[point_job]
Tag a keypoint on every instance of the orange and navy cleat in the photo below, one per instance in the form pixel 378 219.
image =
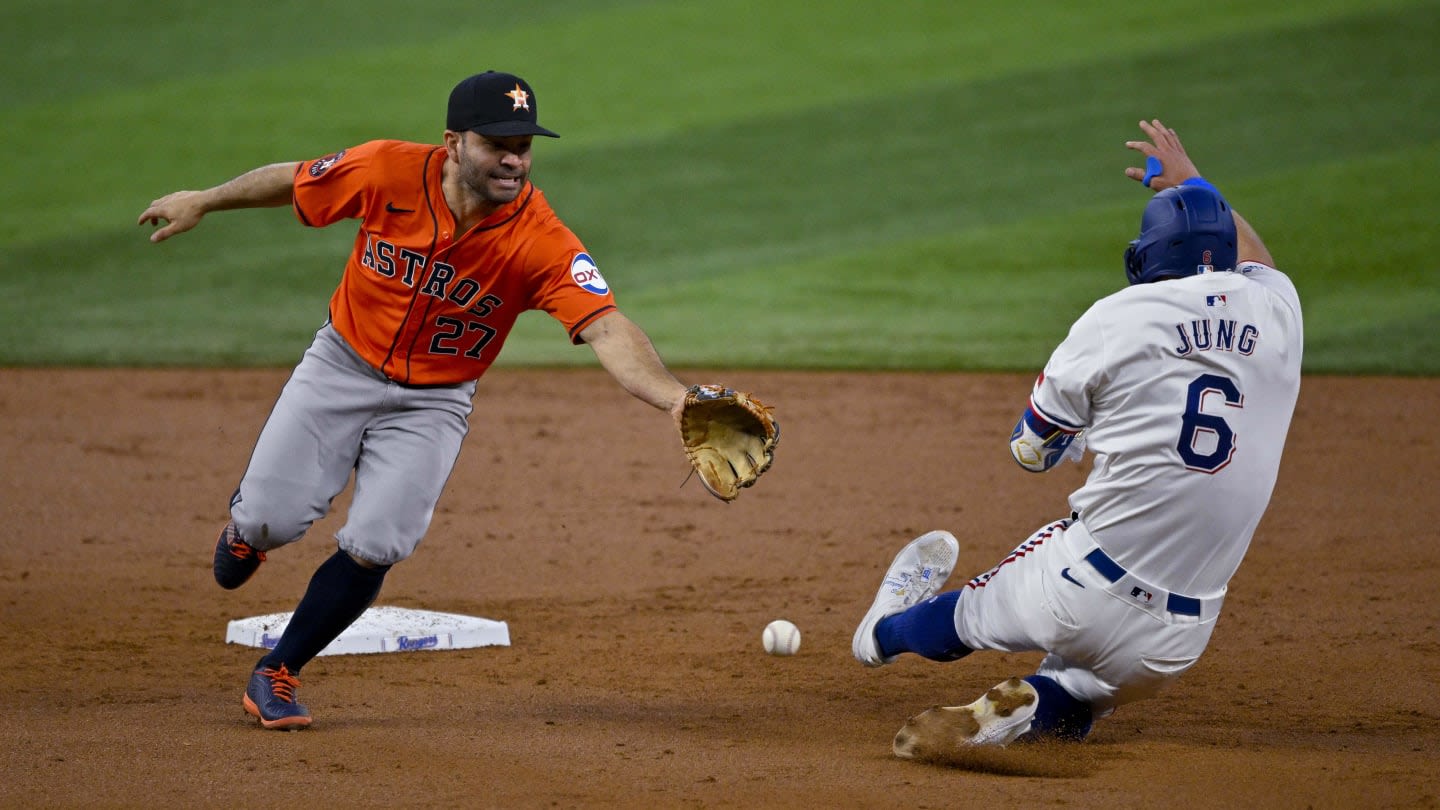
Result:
pixel 271 697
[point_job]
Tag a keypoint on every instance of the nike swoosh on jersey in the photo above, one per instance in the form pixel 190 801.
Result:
pixel 390 207
pixel 1065 572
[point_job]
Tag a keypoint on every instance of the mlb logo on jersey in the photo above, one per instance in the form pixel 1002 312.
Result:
pixel 1215 301
pixel 587 275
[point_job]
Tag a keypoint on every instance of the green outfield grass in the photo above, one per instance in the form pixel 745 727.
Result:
pixel 901 184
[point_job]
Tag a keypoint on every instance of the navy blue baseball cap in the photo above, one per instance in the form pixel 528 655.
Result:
pixel 496 104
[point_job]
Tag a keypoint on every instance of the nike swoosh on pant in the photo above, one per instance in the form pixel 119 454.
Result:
pixel 1065 572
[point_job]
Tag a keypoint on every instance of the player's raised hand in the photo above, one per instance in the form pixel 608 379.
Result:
pixel 1166 163
pixel 180 210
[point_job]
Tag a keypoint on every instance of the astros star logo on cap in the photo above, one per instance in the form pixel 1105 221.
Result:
pixel 520 97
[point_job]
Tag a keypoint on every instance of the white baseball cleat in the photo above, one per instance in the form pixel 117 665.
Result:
pixel 999 717
pixel 918 572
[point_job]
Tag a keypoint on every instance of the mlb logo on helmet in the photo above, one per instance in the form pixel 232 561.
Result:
pixel 1205 265
pixel 587 275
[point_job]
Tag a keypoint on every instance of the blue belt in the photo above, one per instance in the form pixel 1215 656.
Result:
pixel 1111 570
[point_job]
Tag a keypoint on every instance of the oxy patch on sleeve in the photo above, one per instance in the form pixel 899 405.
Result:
pixel 587 275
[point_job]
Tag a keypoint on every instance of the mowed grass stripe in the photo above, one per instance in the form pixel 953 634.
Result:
pixel 841 179
pixel 1002 296
pixel 663 214
pixel 617 74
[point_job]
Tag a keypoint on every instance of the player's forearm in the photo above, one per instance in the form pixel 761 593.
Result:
pixel 265 187
pixel 1248 245
pixel 628 355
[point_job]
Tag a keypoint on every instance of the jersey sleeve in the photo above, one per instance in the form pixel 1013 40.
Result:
pixel 1061 395
pixel 570 287
pixel 334 187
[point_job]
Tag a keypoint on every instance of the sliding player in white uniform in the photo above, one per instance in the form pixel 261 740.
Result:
pixel 1182 385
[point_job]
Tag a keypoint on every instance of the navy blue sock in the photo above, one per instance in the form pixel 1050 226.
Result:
pixel 1059 716
pixel 339 592
pixel 926 629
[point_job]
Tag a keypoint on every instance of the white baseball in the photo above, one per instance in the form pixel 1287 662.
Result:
pixel 781 638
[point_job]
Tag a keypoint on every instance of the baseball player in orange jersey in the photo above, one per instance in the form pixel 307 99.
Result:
pixel 454 243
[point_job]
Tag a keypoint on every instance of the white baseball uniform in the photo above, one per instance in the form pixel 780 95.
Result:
pixel 1184 390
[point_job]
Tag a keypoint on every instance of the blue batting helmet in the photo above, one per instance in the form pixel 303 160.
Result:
pixel 1185 230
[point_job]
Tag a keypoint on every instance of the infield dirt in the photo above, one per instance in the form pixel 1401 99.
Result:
pixel 636 676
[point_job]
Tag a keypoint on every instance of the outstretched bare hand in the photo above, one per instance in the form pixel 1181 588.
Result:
pixel 181 211
pixel 1166 163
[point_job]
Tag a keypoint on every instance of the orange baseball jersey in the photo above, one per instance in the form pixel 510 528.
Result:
pixel 426 305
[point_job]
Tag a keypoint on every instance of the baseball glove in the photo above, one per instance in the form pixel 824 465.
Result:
pixel 729 438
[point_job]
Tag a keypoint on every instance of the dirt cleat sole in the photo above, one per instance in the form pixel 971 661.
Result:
pixel 917 573
pixel 998 718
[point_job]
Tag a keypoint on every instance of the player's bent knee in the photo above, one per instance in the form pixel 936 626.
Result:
pixel 267 522
pixel 267 534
